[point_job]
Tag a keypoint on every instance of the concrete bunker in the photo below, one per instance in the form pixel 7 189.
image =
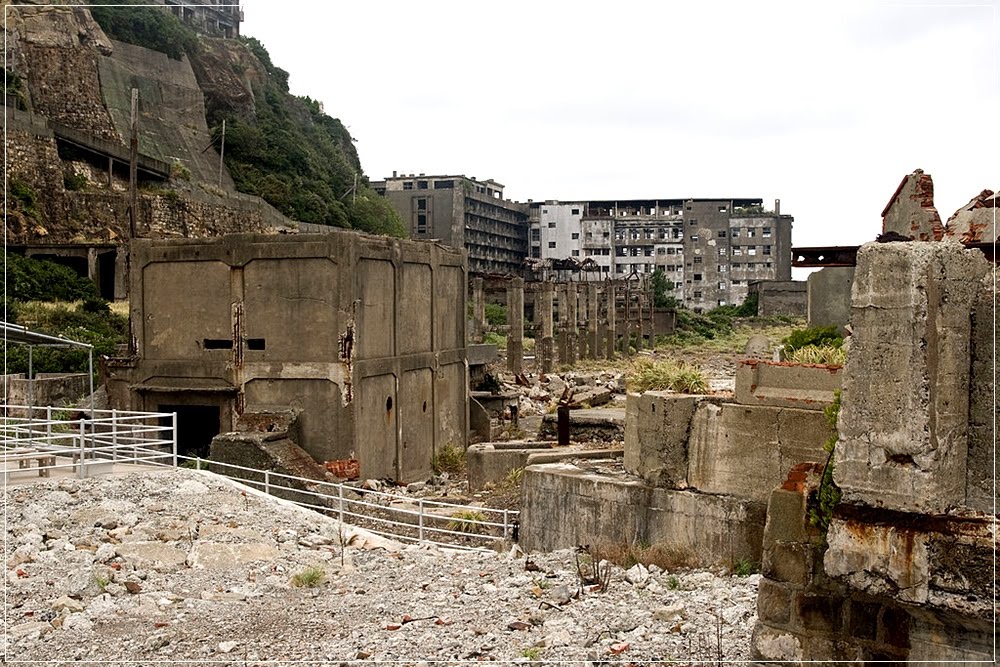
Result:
pixel 364 336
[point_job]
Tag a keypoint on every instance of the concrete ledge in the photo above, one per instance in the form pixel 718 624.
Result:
pixel 491 462
pixel 593 423
pixel 563 505
pixel 787 385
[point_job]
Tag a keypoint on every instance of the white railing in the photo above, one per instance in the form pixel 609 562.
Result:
pixel 92 442
pixel 90 439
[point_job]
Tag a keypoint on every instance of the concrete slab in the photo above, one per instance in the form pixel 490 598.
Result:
pixel 589 424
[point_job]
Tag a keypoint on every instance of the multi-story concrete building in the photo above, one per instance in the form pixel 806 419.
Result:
pixel 709 248
pixel 465 213
pixel 216 18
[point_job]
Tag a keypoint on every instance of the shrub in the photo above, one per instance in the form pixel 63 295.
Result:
pixel 450 459
pixel 74 181
pixel 818 336
pixel 745 567
pixel 496 314
pixel 646 374
pixel 311 577
pixel 40 280
pixel 150 27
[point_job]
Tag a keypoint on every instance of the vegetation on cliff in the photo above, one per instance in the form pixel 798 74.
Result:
pixel 278 146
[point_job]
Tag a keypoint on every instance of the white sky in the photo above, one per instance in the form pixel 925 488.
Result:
pixel 825 106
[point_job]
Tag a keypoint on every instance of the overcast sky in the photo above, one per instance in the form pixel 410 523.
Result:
pixel 823 105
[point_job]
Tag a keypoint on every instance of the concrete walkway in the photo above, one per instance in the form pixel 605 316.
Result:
pixel 65 469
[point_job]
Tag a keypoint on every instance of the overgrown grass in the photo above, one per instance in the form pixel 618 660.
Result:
pixel 311 577
pixel 449 459
pixel 815 336
pixel 646 374
pixel 664 557
pixel 819 354
pixel 732 339
pixel 744 567
pixel 467 521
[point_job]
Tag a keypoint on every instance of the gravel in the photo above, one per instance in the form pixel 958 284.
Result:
pixel 186 565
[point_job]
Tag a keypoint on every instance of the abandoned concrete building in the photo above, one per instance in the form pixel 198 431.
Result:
pixel 363 337
pixel 464 213
pixel 215 18
pixel 710 249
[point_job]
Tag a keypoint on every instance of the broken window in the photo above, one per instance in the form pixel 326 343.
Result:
pixel 766 232
pixel 697 260
pixel 444 185
pixel 767 250
pixel 722 209
pixel 552 225
pixel 575 236
pixel 217 344
pixel 694 238
pixel 552 244
pixel 750 233
pixel 697 294
pixel 697 277
pixel 722 233
pixel 536 235
pixel 421 185
pixel 752 250
pixel 735 233
pixel 575 211
pixel 407 185
pixel 422 204
pixel 576 253
pixel 737 251
pixel 421 223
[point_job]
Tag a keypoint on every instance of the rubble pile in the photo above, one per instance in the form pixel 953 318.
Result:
pixel 183 564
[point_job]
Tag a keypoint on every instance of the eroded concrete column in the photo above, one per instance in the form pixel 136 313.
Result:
pixel 544 314
pixel 592 345
pixel 583 308
pixel 515 322
pixel 609 295
pixel 478 310
pixel 571 321
pixel 905 415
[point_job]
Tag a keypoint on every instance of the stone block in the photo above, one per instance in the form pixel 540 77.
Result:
pixel 819 613
pixel 786 518
pixel 657 428
pixel 862 619
pixel 829 296
pixel 217 555
pixel 774 603
pixel 789 562
pixel 152 555
pixel 905 410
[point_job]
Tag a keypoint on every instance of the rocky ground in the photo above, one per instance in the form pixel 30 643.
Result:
pixel 187 566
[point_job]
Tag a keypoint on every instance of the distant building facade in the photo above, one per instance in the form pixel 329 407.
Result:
pixel 710 249
pixel 462 212
pixel 215 18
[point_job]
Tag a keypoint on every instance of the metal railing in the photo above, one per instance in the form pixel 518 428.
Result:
pixel 89 443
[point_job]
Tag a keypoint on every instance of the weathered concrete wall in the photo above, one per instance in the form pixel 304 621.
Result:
pixel 563 506
pixel 984 403
pixel 905 416
pixel 829 296
pixel 784 384
pixel 780 297
pixel 679 442
pixel 46 389
pixel 365 335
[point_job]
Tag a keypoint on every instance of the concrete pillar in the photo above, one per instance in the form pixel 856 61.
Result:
pixel 609 295
pixel 904 421
pixel 571 320
pixel 592 346
pixel 543 307
pixel 478 310
pixel 583 341
pixel 515 322
pixel 121 273
pixel 92 272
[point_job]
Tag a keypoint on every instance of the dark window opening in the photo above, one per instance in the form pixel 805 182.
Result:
pixel 421 185
pixel 422 204
pixel 444 185
pixel 217 344
pixel 256 343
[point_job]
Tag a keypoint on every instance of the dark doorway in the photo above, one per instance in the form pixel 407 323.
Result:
pixel 106 275
pixel 196 426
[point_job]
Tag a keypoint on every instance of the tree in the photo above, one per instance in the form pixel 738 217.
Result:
pixel 661 285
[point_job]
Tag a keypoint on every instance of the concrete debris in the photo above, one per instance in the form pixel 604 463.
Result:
pixel 472 604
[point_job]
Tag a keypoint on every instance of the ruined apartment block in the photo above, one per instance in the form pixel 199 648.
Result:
pixel 464 213
pixel 710 249
pixel 215 18
pixel 363 337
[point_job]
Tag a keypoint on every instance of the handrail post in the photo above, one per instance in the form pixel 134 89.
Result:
pixel 114 434
pixel 174 438
pixel 48 425
pixel 420 522
pixel 83 450
pixel 197 463
pixel 505 523
pixel 267 482
pixel 340 497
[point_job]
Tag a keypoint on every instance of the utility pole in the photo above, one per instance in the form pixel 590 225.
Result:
pixel 222 151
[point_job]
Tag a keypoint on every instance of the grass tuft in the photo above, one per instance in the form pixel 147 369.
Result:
pixel 311 577
pixel 647 374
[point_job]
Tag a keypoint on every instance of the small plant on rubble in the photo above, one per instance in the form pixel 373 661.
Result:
pixel 819 354
pixel 826 497
pixel 532 653
pixel 449 459
pixel 744 567
pixel 657 375
pixel 311 577
pixel 470 522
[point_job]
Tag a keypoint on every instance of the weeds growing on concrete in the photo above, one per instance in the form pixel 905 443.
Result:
pixel 819 354
pixel 648 374
pixel 513 478
pixel 826 497
pixel 450 459
pixel 468 521
pixel 311 577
